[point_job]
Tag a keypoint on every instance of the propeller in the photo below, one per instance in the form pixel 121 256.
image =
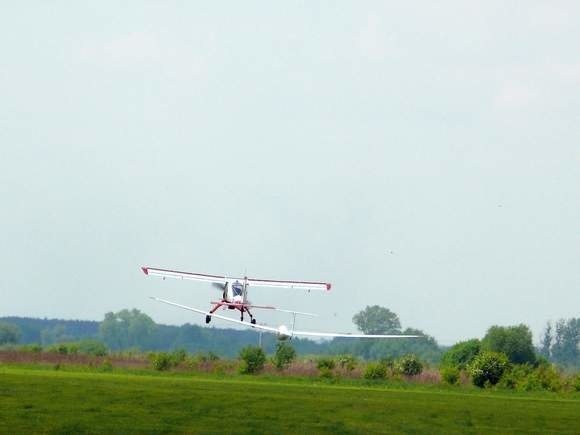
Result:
pixel 222 287
pixel 219 286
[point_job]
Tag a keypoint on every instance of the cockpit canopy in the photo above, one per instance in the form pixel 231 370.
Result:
pixel 237 289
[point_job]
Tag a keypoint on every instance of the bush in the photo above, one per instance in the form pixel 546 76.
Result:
pixel 542 378
pixel 576 383
pixel 284 355
pixel 212 356
pixel 487 368
pixel 374 371
pixel 347 362
pixel 61 348
pixel 461 354
pixel 178 356
pixel 409 365
pixel 92 347
pixel 106 366
pixel 515 376
pixel 388 362
pixel 450 375
pixel 161 361
pixel 253 359
pixel 325 362
pixel 33 348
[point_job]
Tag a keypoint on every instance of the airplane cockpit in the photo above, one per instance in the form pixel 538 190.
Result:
pixel 237 289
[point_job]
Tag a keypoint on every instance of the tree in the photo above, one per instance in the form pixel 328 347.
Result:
pixel 9 333
pixel 284 355
pixel 461 354
pixel 377 320
pixel 546 344
pixel 253 359
pixel 565 348
pixel 514 341
pixel 126 329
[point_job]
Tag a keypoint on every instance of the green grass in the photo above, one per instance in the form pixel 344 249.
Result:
pixel 51 401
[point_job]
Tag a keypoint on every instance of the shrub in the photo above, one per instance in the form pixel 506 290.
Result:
pixel 514 376
pixel 347 362
pixel 374 371
pixel 92 347
pixel 450 375
pixel 284 355
pixel 178 356
pixel 461 354
pixel 487 368
pixel 253 359
pixel 161 361
pixel 33 348
pixel 542 378
pixel 388 362
pixel 409 365
pixel 325 362
pixel 106 366
pixel 212 356
pixel 59 348
pixel 576 383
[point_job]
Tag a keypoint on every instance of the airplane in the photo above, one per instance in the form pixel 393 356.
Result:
pixel 235 297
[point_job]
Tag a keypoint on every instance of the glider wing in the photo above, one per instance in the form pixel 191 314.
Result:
pixel 283 330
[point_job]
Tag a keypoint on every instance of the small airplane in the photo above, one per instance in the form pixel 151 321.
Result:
pixel 235 297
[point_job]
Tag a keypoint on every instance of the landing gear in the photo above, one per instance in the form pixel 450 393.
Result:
pixel 207 319
pixel 245 310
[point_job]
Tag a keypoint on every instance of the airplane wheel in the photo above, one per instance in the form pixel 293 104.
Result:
pixel 207 319
pixel 253 321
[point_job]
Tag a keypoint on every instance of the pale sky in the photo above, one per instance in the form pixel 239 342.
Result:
pixel 422 156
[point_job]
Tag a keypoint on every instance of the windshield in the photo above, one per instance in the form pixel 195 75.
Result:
pixel 237 289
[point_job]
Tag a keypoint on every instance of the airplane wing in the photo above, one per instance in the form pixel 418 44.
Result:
pixel 167 273
pixel 253 282
pixel 282 330
pixel 306 285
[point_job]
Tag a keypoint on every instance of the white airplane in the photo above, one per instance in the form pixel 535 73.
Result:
pixel 235 297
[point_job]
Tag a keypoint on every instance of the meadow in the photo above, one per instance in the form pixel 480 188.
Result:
pixel 40 399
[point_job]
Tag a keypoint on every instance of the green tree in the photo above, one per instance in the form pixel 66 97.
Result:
pixel 126 329
pixel 546 343
pixel 565 349
pixel 460 354
pixel 377 320
pixel 253 359
pixel 514 341
pixel 284 355
pixel 9 333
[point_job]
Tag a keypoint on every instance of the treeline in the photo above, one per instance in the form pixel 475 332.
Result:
pixel 132 329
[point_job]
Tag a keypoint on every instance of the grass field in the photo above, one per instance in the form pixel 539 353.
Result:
pixel 55 401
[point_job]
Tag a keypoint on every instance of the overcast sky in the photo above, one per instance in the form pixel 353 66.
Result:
pixel 423 156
